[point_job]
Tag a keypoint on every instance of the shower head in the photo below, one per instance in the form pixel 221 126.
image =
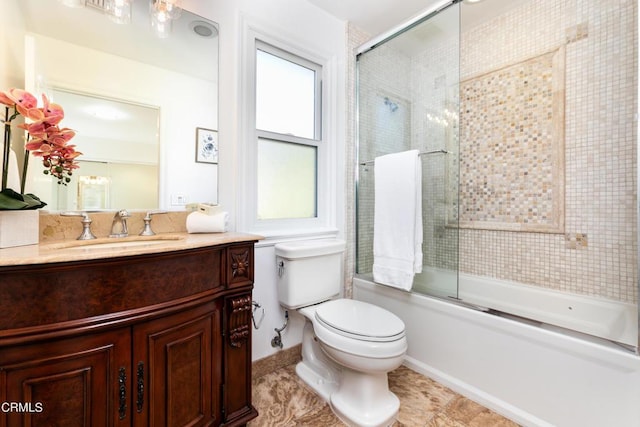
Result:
pixel 392 105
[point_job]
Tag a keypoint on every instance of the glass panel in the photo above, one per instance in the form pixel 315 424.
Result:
pixel 285 96
pixel 547 176
pixel 408 99
pixel 287 180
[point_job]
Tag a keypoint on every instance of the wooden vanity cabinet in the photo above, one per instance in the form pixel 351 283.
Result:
pixel 148 340
pixel 174 357
pixel 65 382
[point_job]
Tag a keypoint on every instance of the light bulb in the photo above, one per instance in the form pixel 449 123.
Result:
pixel 119 10
pixel 161 24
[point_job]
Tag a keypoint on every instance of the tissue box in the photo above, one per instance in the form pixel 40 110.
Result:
pixel 208 209
pixel 205 208
pixel 19 228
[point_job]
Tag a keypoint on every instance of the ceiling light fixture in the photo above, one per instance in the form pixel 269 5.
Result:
pixel 163 13
pixel 72 3
pixel 203 29
pixel 118 10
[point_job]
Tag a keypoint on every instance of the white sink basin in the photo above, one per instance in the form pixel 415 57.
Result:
pixel 116 243
pixel 119 245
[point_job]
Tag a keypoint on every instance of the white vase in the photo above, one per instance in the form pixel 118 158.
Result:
pixel 19 228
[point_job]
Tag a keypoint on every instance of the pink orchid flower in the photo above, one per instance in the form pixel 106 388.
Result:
pixel 71 153
pixel 59 161
pixel 53 113
pixel 51 135
pixel 46 139
pixel 22 100
pixel 37 130
pixel 61 137
pixel 4 99
pixel 35 145
pixel 43 149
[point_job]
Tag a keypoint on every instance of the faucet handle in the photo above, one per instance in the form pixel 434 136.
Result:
pixel 146 230
pixel 123 213
pixel 86 224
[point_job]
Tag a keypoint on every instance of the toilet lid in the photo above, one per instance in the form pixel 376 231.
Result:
pixel 360 320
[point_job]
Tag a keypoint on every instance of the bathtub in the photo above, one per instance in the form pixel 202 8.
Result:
pixel 608 319
pixel 533 373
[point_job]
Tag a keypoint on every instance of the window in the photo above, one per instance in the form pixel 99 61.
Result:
pixel 289 137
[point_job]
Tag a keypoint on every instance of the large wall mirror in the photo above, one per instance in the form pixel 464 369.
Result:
pixel 135 97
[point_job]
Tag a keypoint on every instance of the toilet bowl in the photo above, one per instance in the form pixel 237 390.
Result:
pixel 358 355
pixel 348 346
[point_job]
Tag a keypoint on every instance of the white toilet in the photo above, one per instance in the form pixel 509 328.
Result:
pixel 348 346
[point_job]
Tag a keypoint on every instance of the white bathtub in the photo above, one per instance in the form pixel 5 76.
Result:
pixel 608 319
pixel 535 375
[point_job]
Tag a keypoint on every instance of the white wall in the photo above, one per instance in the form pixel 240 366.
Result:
pixel 11 54
pixel 302 24
pixel 11 72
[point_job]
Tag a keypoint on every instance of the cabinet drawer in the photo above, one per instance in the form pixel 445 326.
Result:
pixel 34 295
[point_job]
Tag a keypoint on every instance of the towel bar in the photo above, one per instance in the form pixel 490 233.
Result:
pixel 424 153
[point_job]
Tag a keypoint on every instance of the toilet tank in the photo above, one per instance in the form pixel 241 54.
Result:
pixel 309 271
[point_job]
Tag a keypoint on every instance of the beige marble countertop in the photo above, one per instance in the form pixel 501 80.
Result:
pixel 106 247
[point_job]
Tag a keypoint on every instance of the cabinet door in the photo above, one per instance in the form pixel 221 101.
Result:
pixel 69 382
pixel 237 359
pixel 177 369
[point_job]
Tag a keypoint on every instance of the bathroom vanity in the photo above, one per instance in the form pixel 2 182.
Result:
pixel 156 333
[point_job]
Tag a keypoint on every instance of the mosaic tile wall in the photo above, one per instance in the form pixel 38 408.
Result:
pixel 512 141
pixel 597 252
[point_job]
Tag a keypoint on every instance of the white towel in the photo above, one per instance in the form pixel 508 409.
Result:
pixel 198 222
pixel 397 226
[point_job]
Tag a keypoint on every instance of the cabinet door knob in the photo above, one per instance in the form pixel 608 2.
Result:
pixel 122 392
pixel 140 380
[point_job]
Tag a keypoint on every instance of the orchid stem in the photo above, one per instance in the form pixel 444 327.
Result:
pixel 6 149
pixel 25 164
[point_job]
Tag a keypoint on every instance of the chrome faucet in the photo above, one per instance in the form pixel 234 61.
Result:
pixel 146 230
pixel 119 224
pixel 86 224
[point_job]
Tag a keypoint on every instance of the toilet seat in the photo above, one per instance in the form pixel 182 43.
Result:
pixel 359 320
pixel 384 346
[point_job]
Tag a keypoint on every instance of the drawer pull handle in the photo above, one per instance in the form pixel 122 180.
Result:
pixel 140 380
pixel 122 392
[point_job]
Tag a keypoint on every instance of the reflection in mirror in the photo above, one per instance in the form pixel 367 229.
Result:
pixel 119 144
pixel 80 52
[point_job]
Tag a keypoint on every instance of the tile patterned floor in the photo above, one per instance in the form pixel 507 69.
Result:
pixel 283 400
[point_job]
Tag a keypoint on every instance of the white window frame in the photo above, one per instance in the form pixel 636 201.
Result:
pixel 325 221
pixel 303 62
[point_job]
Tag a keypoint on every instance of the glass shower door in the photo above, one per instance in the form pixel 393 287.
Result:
pixel 408 97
